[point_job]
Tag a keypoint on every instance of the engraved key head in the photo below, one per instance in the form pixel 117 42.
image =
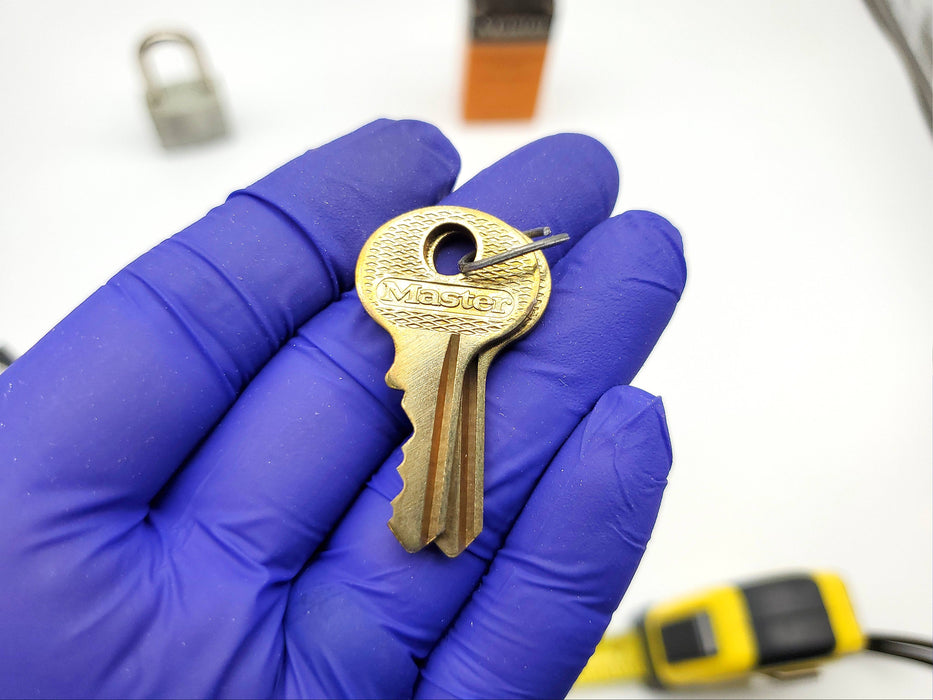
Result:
pixel 401 288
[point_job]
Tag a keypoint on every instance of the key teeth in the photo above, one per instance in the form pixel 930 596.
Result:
pixel 391 380
pixel 409 538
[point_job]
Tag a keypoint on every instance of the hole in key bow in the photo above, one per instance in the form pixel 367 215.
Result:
pixel 447 244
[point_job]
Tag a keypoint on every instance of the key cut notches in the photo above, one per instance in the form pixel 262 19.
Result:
pixel 447 330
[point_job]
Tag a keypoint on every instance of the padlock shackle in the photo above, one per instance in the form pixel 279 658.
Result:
pixel 164 37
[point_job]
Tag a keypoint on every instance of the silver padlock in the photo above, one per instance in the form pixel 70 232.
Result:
pixel 185 112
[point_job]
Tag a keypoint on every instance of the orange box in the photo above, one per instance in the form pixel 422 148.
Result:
pixel 505 57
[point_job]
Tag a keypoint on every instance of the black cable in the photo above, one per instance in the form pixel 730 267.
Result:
pixel 906 647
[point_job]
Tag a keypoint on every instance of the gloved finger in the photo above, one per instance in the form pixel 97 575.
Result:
pixel 546 600
pixel 613 294
pixel 105 407
pixel 298 446
pixel 550 191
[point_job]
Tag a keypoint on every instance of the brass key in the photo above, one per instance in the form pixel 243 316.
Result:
pixel 438 323
pixel 464 520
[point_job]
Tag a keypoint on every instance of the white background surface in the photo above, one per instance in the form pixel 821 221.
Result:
pixel 782 138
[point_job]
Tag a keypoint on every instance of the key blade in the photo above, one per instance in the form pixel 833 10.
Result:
pixel 464 519
pixel 432 403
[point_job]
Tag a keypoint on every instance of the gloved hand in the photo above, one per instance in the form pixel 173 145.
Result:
pixel 197 462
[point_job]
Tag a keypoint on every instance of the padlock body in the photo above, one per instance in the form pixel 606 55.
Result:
pixel 186 113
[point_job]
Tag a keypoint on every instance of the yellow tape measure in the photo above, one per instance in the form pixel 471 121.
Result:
pixel 776 625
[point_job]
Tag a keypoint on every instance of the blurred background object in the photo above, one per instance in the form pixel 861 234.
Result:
pixel 505 57
pixel 6 357
pixel 783 626
pixel 186 111
pixel 909 23
pixel 783 139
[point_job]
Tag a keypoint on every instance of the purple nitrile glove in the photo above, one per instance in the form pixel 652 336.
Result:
pixel 196 464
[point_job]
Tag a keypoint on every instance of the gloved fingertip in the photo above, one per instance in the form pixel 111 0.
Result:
pixel 597 159
pixel 567 181
pixel 651 226
pixel 434 141
pixel 630 417
pixel 409 133
pixel 334 196
pixel 627 428
pixel 656 222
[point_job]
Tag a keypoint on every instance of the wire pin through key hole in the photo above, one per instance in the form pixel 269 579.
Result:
pixel 453 248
